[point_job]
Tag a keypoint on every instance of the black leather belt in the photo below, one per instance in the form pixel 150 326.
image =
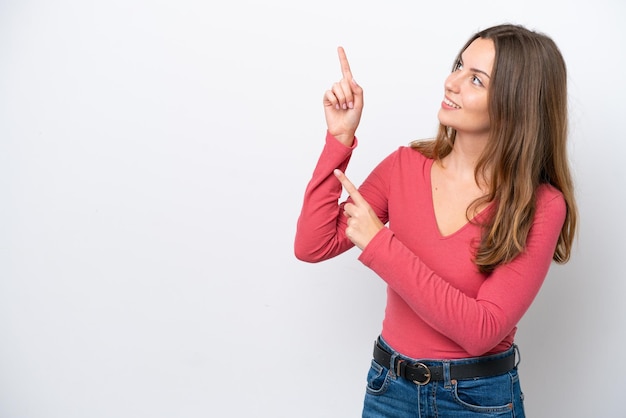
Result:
pixel 421 373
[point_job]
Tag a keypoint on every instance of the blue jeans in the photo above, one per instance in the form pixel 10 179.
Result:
pixel 391 396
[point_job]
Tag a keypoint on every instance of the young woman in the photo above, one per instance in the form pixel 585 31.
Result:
pixel 462 228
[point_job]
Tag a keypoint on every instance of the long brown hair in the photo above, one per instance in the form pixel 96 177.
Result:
pixel 527 143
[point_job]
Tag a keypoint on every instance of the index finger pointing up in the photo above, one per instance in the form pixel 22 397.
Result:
pixel 345 66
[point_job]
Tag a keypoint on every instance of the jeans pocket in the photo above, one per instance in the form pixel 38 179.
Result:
pixel 377 379
pixel 490 395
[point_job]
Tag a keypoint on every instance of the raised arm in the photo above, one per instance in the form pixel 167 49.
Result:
pixel 320 231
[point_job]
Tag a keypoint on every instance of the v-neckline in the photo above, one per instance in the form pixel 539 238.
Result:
pixel 433 214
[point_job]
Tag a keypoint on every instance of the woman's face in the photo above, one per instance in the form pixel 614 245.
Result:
pixel 465 106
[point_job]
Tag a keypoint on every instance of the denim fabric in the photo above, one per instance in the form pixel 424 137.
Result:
pixel 390 396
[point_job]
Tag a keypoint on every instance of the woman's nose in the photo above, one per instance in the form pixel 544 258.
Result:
pixel 452 81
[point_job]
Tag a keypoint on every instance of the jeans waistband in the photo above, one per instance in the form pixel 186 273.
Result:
pixel 423 371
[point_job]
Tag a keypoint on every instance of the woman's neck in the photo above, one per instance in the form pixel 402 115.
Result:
pixel 461 162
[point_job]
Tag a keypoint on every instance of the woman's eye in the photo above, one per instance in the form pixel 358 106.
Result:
pixel 476 81
pixel 458 66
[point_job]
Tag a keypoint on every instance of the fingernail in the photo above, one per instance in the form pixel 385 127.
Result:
pixel 351 105
pixel 337 106
pixel 345 106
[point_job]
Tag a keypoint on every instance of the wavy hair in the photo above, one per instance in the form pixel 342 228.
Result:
pixel 527 145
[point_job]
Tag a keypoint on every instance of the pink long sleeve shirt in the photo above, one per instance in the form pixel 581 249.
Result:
pixel 439 306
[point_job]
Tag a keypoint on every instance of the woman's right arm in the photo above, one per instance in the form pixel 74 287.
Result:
pixel 320 232
pixel 321 226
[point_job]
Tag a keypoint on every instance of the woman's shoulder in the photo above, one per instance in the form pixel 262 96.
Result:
pixel 547 192
pixel 549 198
pixel 407 160
pixel 407 152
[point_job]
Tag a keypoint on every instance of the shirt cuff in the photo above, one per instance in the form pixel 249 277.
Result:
pixel 331 140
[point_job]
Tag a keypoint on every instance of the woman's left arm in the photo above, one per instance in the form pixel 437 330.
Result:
pixel 475 323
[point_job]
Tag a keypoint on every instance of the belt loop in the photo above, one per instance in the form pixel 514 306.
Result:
pixel 392 364
pixel 518 354
pixel 447 383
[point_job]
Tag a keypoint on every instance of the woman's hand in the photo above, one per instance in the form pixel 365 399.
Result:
pixel 363 224
pixel 343 104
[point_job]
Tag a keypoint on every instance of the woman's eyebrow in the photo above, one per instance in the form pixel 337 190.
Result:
pixel 476 70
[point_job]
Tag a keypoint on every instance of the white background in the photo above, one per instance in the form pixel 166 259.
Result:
pixel 153 157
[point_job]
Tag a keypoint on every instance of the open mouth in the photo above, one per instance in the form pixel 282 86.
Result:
pixel 451 103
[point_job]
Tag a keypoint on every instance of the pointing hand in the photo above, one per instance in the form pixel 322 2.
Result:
pixel 363 224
